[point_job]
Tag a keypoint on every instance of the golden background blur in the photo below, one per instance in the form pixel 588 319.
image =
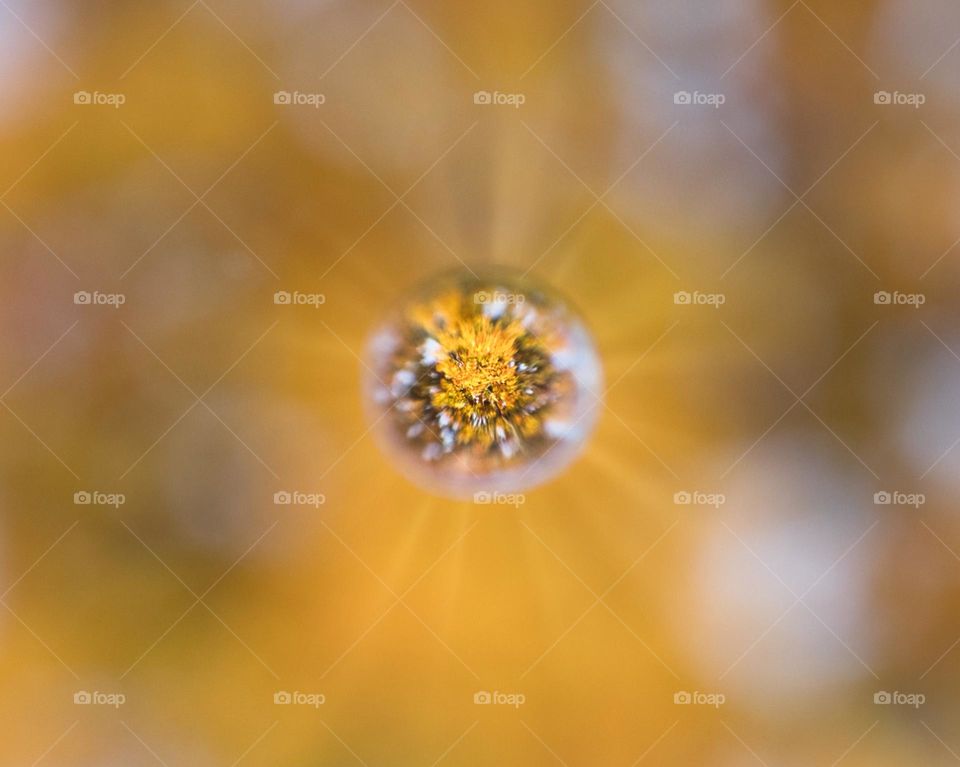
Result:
pixel 779 400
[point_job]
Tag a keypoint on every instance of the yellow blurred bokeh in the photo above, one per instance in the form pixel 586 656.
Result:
pixel 753 205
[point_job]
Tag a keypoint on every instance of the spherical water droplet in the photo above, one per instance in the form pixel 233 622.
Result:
pixel 482 384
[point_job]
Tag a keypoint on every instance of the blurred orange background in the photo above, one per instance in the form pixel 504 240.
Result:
pixel 753 205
